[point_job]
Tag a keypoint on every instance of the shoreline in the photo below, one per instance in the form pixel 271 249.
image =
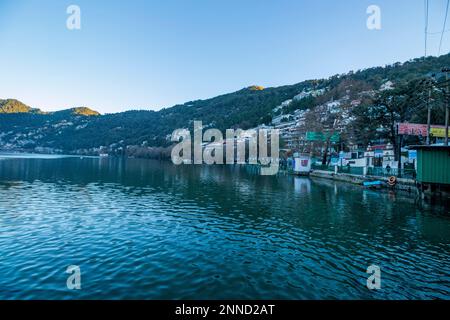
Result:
pixel 406 185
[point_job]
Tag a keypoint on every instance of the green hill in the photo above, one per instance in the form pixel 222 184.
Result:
pixel 82 128
pixel 81 111
pixel 14 106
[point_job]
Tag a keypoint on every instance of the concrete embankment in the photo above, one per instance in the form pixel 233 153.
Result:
pixel 402 184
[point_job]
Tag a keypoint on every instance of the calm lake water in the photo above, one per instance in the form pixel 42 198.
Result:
pixel 143 229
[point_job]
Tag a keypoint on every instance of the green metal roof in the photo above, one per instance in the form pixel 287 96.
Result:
pixel 432 147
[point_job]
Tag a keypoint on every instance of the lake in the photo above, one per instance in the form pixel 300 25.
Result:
pixel 142 229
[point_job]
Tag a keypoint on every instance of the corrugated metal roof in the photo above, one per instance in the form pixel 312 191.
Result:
pixel 432 147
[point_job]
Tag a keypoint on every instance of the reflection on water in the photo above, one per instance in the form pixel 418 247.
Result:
pixel 147 229
pixel 302 185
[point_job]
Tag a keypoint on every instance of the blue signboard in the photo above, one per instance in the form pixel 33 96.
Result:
pixel 378 153
pixel 412 155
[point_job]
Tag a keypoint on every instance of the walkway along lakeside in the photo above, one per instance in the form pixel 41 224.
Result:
pixel 402 184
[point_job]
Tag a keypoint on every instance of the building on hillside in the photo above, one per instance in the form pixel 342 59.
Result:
pixel 388 85
pixel 355 103
pixel 380 156
pixel 295 137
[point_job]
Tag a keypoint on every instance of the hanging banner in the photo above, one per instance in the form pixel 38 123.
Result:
pixel 412 129
pixel 416 129
pixel 438 132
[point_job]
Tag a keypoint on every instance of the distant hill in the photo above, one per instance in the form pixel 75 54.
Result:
pixel 12 106
pixel 82 129
pixel 15 106
pixel 81 111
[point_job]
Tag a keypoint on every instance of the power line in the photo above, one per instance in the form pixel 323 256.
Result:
pixel 438 32
pixel 426 25
pixel 443 29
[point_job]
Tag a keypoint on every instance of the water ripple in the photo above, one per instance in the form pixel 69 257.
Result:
pixel 143 229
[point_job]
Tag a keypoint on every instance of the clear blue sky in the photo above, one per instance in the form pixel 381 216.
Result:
pixel 153 54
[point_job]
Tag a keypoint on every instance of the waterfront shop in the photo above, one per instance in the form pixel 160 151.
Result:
pixel 433 168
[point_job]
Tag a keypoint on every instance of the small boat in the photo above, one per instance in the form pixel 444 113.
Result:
pixel 372 183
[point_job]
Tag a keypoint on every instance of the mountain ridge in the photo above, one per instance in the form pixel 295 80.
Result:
pixel 12 106
pixel 246 108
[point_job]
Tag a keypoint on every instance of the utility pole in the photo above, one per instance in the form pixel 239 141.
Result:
pixel 399 149
pixel 429 118
pixel 447 97
pixel 429 112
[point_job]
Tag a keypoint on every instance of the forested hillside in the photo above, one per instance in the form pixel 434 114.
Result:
pixel 83 130
pixel 15 106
